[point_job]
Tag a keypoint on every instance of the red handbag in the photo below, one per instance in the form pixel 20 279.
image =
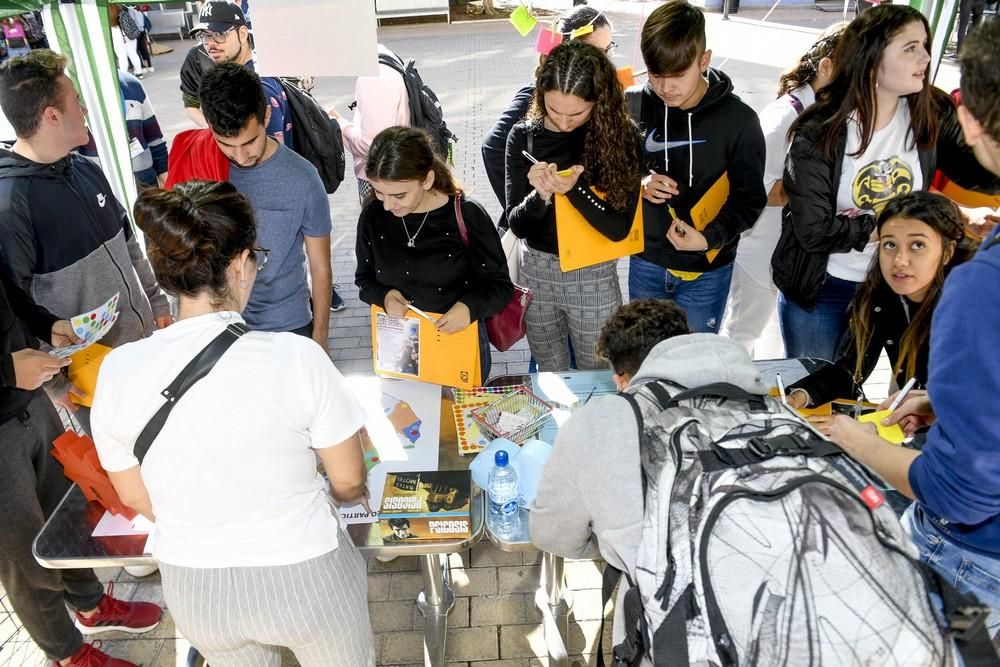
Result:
pixel 508 326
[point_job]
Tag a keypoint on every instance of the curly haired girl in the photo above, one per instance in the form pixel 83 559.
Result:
pixel 577 136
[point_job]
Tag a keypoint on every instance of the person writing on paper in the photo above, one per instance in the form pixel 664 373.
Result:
pixel 750 316
pixel 410 250
pixel 250 547
pixel 955 477
pixel 577 138
pixel 921 239
pixel 877 131
pixel 697 130
pixel 581 17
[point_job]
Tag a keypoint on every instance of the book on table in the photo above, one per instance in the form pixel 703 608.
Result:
pixel 426 506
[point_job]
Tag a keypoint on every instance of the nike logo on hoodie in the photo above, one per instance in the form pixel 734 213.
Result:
pixel 654 146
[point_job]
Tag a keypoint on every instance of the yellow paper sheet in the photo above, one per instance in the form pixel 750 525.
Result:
pixel 411 348
pixel 522 20
pixel 581 245
pixel 893 434
pixel 83 369
pixel 708 208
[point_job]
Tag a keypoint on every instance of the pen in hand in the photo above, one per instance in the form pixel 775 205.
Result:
pixel 901 396
pixel 781 389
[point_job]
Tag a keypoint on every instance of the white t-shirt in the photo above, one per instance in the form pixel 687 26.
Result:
pixel 232 475
pixel 888 168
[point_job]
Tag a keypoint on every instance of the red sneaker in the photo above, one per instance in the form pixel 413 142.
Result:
pixel 90 656
pixel 114 614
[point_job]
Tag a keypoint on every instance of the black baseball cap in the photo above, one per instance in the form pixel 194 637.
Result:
pixel 219 16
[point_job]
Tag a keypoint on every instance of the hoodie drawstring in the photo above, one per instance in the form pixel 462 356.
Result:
pixel 666 152
pixel 690 154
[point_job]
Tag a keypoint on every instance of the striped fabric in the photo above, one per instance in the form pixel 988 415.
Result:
pixel 239 617
pixel 571 305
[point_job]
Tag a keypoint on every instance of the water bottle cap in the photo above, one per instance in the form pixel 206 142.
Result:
pixel 500 458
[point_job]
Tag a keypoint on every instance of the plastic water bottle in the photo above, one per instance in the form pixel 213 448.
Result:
pixel 502 492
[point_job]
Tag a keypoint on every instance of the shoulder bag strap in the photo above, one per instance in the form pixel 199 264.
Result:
pixel 196 369
pixel 462 229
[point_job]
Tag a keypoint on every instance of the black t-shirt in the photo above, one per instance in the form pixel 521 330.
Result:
pixel 196 63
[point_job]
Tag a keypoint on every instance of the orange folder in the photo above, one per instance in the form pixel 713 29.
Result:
pixel 80 463
pixel 83 370
pixel 581 245
pixel 413 349
pixel 708 207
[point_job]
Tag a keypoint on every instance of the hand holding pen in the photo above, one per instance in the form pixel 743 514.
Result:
pixel 548 179
pixel 658 188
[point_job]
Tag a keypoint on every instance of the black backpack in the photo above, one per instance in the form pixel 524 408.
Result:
pixel 425 109
pixel 317 136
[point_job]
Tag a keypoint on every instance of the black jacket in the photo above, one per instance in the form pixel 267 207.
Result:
pixel 890 318
pixel 22 323
pixel 720 134
pixel 439 269
pixel 810 229
pixel 495 146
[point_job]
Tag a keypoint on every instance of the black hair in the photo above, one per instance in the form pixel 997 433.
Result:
pixel 407 154
pixel 399 523
pixel 980 62
pixel 673 37
pixel 230 96
pixel 29 84
pixel 579 17
pixel 636 328
pixel 193 232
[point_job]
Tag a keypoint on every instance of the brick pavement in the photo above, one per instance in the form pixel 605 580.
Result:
pixel 474 68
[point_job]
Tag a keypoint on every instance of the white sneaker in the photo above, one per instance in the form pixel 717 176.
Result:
pixel 141 570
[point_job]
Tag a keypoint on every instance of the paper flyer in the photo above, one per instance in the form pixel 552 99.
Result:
pixel 91 327
pixel 402 433
pixel 412 348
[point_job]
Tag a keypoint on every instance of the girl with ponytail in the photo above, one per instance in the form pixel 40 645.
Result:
pixel 409 247
pixel 242 520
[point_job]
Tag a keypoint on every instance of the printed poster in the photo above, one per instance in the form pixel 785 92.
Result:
pixel 402 433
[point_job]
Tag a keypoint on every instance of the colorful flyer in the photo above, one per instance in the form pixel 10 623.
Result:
pixel 91 327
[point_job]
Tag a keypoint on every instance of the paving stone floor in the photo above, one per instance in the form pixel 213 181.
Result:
pixel 474 68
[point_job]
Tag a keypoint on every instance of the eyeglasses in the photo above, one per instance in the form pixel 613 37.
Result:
pixel 260 256
pixel 215 37
pixel 610 48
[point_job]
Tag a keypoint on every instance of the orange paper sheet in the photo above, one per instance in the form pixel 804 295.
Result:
pixel 411 348
pixel 83 370
pixel 708 208
pixel 581 245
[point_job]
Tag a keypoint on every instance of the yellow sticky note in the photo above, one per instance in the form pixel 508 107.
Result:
pixel 565 172
pixel 893 434
pixel 522 20
pixel 581 31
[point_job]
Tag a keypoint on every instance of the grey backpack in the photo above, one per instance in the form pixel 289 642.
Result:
pixel 764 544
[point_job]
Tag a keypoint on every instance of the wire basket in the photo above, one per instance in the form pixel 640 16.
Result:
pixel 525 414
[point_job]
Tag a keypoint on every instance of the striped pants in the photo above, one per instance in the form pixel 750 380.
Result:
pixel 240 616
pixel 574 304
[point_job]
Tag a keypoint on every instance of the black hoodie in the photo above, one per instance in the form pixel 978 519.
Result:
pixel 695 147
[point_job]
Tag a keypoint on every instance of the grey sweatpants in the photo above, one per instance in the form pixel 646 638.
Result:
pixel 574 304
pixel 31 485
pixel 240 616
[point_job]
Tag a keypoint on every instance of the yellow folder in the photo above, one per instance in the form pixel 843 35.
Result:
pixel 708 207
pixel 411 348
pixel 83 369
pixel 581 245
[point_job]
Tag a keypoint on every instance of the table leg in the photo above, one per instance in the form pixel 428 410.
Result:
pixel 434 603
pixel 551 601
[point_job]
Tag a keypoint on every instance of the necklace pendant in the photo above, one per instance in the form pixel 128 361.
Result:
pixel 411 243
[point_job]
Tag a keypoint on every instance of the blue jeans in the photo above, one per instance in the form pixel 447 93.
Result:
pixel 817 332
pixel 968 571
pixel 703 299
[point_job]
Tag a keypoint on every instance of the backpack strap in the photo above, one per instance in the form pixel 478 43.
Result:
pixel 195 370
pixel 719 390
pixel 633 100
pixel 635 646
pixel 670 644
pixel 966 620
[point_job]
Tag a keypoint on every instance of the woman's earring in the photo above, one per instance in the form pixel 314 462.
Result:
pixel 244 284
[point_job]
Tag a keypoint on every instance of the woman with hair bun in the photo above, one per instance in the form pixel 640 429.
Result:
pixel 410 248
pixel 251 550
pixel 579 132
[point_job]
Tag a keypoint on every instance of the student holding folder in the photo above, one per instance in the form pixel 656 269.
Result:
pixel 576 139
pixel 704 151
pixel 410 250
pixel 921 239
